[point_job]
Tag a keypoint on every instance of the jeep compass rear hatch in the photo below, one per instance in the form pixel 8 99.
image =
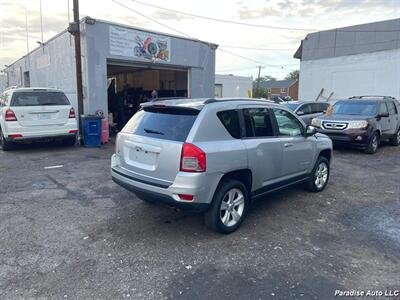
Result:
pixel 149 146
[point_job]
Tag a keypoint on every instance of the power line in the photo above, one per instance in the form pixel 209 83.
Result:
pixel 257 25
pixel 191 37
pixel 257 49
pixel 223 20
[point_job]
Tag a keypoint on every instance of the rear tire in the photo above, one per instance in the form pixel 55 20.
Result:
pixel 395 140
pixel 70 142
pixel 373 144
pixel 5 145
pixel 229 207
pixel 319 176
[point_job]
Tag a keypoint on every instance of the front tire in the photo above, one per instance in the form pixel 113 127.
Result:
pixel 395 140
pixel 229 207
pixel 319 176
pixel 373 144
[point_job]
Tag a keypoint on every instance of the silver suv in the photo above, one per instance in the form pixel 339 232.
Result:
pixel 216 156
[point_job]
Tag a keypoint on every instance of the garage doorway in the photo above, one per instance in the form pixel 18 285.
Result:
pixel 130 85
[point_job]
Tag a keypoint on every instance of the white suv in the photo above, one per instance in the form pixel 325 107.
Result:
pixel 28 114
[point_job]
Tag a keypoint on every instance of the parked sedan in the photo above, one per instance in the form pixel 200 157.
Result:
pixel 28 114
pixel 307 110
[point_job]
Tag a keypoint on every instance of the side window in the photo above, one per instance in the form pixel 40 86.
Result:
pixel 258 122
pixel 230 120
pixel 288 124
pixel 323 107
pixel 392 108
pixel 306 109
pixel 382 108
pixel 316 108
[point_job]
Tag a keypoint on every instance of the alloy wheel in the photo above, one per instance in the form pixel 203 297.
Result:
pixel 232 207
pixel 321 175
pixel 374 143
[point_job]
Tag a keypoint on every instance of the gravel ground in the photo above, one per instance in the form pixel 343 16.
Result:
pixel 70 232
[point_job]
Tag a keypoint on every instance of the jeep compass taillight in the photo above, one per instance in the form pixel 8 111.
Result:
pixel 10 115
pixel 72 113
pixel 193 159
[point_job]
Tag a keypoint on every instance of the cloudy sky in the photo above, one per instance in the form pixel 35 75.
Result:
pixel 273 48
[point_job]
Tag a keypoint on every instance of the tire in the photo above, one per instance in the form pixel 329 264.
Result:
pixel 395 140
pixel 232 195
pixel 373 144
pixel 70 142
pixel 319 176
pixel 5 145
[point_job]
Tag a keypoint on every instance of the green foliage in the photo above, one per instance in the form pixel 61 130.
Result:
pixel 293 75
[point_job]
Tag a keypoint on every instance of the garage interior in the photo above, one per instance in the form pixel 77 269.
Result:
pixel 130 85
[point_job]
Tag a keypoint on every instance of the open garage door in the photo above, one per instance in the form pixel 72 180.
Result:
pixel 130 85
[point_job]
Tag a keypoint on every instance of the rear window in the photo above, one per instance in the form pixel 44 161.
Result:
pixel 38 98
pixel 163 123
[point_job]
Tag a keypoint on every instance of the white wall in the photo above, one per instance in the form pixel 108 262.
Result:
pixel 3 82
pixel 376 73
pixel 49 66
pixel 234 86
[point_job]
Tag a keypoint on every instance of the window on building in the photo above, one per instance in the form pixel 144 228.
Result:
pixel 283 90
pixel 269 91
pixel 218 90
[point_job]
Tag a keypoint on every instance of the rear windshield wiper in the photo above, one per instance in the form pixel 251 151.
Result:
pixel 153 131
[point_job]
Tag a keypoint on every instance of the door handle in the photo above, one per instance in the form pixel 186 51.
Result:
pixel 287 145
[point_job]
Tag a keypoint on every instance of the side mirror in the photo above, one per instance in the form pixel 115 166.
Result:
pixel 310 130
pixel 300 113
pixel 383 115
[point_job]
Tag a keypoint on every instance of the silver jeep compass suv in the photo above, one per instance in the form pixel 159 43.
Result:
pixel 216 156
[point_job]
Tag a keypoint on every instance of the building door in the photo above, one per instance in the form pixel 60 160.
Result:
pixel 27 79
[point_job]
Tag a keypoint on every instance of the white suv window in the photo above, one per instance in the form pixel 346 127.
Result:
pixel 288 125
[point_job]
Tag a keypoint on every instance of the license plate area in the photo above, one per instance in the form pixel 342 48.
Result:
pixel 44 116
pixel 141 156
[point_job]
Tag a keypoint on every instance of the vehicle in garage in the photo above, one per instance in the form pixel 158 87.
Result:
pixel 215 156
pixel 307 110
pixel 362 122
pixel 31 114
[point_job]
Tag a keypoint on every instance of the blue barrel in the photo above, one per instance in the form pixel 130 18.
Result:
pixel 91 130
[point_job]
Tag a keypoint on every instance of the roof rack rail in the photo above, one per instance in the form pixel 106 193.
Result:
pixel 212 100
pixel 165 99
pixel 371 96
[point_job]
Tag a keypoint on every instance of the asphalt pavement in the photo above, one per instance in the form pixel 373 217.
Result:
pixel 68 232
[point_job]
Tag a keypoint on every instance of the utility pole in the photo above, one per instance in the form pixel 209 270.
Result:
pixel 75 30
pixel 258 78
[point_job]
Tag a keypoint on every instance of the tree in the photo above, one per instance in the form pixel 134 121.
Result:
pixel 293 75
pixel 261 93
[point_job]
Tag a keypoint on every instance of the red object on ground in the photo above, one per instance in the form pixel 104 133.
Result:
pixel 104 131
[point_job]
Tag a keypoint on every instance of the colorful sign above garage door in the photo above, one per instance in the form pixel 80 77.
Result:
pixel 139 44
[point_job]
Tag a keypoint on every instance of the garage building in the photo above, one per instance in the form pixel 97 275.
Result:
pixel 356 60
pixel 121 65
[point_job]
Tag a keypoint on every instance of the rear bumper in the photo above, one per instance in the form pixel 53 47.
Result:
pixel 30 133
pixel 357 138
pixel 201 186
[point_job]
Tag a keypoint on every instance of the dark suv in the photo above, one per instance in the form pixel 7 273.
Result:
pixel 362 122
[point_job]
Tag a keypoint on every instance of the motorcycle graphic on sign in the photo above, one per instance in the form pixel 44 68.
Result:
pixel 151 48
